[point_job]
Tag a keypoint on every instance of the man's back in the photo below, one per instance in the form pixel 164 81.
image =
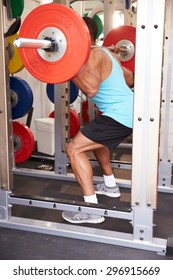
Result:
pixel 97 69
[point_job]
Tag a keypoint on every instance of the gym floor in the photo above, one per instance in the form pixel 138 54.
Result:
pixel 17 245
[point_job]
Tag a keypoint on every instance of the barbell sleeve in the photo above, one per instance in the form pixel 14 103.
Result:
pixel 32 43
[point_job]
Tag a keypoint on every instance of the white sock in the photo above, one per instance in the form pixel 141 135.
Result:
pixel 91 198
pixel 109 180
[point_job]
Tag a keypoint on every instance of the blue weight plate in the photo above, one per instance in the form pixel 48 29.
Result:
pixel 50 92
pixel 74 91
pixel 24 97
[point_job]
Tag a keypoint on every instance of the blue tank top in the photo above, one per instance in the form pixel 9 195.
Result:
pixel 114 98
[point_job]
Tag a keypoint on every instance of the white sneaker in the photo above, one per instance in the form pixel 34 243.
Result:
pixel 80 217
pixel 108 191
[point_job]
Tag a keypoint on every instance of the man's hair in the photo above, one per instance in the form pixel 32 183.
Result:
pixel 92 26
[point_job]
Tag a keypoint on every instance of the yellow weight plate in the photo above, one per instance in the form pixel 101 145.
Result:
pixel 15 63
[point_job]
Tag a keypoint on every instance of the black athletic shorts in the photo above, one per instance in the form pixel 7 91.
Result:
pixel 105 130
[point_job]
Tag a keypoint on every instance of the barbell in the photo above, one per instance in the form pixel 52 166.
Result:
pixel 54 43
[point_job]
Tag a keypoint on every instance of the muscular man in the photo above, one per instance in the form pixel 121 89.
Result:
pixel 107 83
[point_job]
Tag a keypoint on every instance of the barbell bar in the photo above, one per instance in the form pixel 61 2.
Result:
pixel 51 45
pixel 32 43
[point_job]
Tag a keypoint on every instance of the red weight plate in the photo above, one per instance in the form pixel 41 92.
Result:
pixel 23 142
pixel 125 32
pixel 77 40
pixel 85 115
pixel 74 123
pixel 52 114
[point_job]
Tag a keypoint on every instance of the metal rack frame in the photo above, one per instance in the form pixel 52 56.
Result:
pixel 148 83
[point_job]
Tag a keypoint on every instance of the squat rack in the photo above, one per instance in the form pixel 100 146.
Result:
pixel 148 85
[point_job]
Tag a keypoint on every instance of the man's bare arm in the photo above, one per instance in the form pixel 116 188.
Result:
pixel 128 75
